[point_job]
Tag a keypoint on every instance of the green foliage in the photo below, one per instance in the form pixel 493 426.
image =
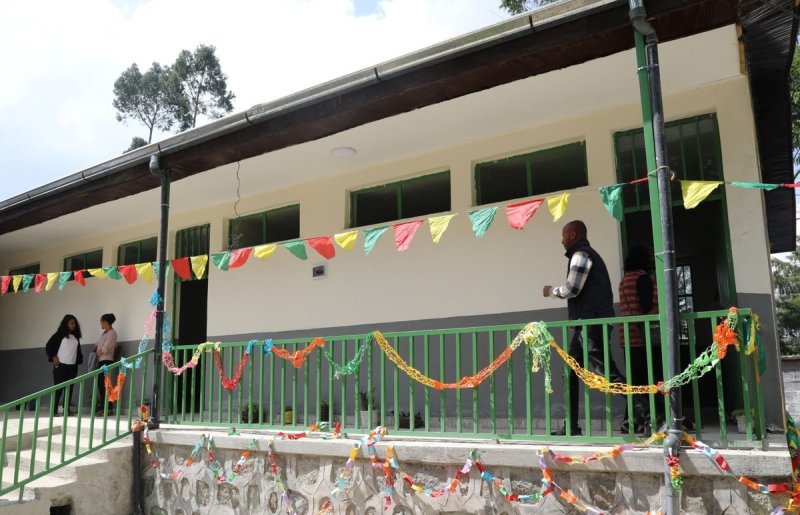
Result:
pixel 147 98
pixel 203 86
pixel 136 142
pixel 794 92
pixel 786 275
pixel 520 6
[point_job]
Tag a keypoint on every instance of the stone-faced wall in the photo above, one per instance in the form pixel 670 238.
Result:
pixel 791 385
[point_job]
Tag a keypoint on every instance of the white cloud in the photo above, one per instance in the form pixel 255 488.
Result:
pixel 60 61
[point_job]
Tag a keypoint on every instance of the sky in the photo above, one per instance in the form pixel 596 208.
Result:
pixel 60 60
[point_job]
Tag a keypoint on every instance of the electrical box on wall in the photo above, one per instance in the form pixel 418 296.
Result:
pixel 318 272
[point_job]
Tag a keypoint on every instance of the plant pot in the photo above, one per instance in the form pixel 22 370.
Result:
pixel 287 417
pixel 366 423
pixel 741 424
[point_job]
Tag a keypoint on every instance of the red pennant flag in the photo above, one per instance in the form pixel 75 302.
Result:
pixel 323 245
pixel 520 213
pixel 39 282
pixel 128 272
pixel 239 257
pixel 404 233
pixel 79 277
pixel 5 282
pixel 182 267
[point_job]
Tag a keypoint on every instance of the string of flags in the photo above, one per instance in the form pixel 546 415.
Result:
pixel 518 214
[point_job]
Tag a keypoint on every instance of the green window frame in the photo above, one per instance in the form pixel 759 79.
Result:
pixel 31 269
pixel 190 242
pixel 84 261
pixel 564 167
pixel 135 252
pixel 407 198
pixel 279 224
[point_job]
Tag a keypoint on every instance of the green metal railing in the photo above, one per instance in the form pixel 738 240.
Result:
pixel 58 440
pixel 510 404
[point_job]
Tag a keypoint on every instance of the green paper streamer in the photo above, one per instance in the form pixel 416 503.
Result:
pixel 611 196
pixel 27 279
pixel 481 220
pixel 63 277
pixel 352 366
pixel 112 273
pixel 755 185
pixel 298 248
pixel 223 259
pixel 371 237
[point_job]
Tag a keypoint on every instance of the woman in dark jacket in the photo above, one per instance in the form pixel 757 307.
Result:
pixel 64 351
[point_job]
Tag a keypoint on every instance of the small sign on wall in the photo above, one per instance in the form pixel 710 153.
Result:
pixel 318 272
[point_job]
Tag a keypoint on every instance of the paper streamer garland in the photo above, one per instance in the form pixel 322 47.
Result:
pixel 112 392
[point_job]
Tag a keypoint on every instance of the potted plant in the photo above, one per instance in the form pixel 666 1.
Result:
pixel 367 401
pixel 324 411
pixel 256 410
pixel 288 415
pixel 405 420
pixel 741 421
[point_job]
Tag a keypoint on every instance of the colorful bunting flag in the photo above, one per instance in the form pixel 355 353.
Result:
pixel 79 277
pixel 404 233
pixel 146 271
pixel 199 265
pixel 755 185
pixel 113 273
pixel 297 248
pixel 323 245
pixel 27 279
pixel 128 272
pixel 97 272
pixel 695 192
pixel 482 219
pixel 611 197
pixel 371 237
pixel 5 282
pixel 346 240
pixel 239 257
pixel 17 281
pixel 558 205
pixel 63 277
pixel 438 225
pixel 221 260
pixel 181 267
pixel 520 213
pixel 52 277
pixel 38 283
pixel 264 251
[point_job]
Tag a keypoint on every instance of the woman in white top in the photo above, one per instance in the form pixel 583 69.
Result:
pixel 105 356
pixel 64 351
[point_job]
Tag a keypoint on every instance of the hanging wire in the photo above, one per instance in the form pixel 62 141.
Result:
pixel 236 237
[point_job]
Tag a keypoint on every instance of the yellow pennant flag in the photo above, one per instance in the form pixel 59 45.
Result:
pixel 199 265
pixel 52 277
pixel 97 272
pixel 16 281
pixel 264 251
pixel 558 205
pixel 695 192
pixel 346 240
pixel 439 226
pixel 146 271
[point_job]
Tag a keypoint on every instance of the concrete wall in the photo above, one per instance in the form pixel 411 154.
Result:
pixel 791 385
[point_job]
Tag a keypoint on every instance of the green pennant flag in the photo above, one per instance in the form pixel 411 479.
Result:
pixel 371 237
pixel 298 248
pixel 611 196
pixel 481 220
pixel 221 260
pixel 63 277
pixel 112 273
pixel 755 185
pixel 27 279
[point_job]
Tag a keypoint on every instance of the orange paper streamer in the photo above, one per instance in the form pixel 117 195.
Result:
pixel 298 357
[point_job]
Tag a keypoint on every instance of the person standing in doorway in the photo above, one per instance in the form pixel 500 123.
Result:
pixel 64 351
pixel 105 348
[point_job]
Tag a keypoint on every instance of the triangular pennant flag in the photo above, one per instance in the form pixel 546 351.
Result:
pixel 611 197
pixel 221 260
pixel 52 277
pixel 146 271
pixel 404 233
pixel 520 213
pixel 239 257
pixel 298 248
pixel 17 281
pixel 481 220
pixel 695 192
pixel 346 240
pixel 27 280
pixel 181 267
pixel 97 272
pixel 79 277
pixel 371 237
pixel 38 282
pixel 112 272
pixel 5 282
pixel 128 272
pixel 755 185
pixel 438 225
pixel 63 277
pixel 199 265
pixel 558 205
pixel 264 251
pixel 323 245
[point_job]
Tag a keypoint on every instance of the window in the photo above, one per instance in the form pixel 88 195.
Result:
pixel 267 227
pixel 546 171
pixel 142 251
pixel 25 270
pixel 403 199
pixel 693 152
pixel 685 297
pixel 83 261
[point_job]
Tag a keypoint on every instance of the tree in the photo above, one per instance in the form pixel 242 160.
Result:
pixel 203 86
pixel 136 142
pixel 148 98
pixel 786 274
pixel 520 6
pixel 794 93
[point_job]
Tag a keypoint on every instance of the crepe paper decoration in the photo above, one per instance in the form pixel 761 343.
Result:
pixel 39 282
pixel 52 277
pixel 323 245
pixel 129 273
pixel 520 213
pixel 199 265
pixel 352 366
pixel 113 273
pixel 231 383
pixel 481 220
pixel 112 392
pixel 346 240
pixel 146 271
pixel 262 252
pixel 221 260
pixel 438 225
pixel 755 185
pixel 97 272
pixel 16 282
pixel 181 267
pixel 404 234
pixel 5 282
pixel 169 363
pixel 695 192
pixel 297 248
pixel 371 237
pixel 239 257
pixel 558 205
pixel 27 279
pixel 63 278
pixel 298 357
pixel 79 277
pixel 611 197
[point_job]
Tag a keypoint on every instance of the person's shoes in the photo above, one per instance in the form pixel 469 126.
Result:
pixel 576 431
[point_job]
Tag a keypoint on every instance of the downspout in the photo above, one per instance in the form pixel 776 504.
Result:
pixel 663 230
pixel 156 170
